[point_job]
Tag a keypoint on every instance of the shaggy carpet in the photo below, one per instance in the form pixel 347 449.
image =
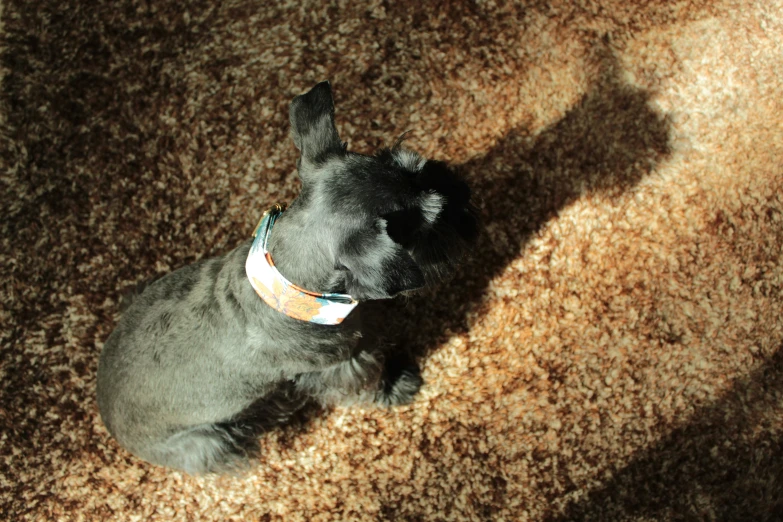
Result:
pixel 611 351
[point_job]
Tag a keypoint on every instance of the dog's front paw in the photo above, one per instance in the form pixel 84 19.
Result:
pixel 400 385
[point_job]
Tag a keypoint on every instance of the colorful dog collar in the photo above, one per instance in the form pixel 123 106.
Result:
pixel 281 294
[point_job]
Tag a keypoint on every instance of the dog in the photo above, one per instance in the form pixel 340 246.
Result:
pixel 208 357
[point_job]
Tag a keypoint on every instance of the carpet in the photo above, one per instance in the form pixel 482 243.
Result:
pixel 610 351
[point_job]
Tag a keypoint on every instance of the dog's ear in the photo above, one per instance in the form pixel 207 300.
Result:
pixel 373 266
pixel 312 124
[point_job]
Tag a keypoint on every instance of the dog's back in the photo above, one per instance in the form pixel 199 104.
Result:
pixel 167 390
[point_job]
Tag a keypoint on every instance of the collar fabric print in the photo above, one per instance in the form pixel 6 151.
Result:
pixel 281 294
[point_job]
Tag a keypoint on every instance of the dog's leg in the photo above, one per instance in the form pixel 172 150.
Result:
pixel 201 449
pixel 365 377
pixel 226 446
pixel 353 380
pixel 400 383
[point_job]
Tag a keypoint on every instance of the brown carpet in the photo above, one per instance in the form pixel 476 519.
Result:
pixel 611 352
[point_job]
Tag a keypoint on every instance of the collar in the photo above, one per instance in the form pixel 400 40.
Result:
pixel 281 294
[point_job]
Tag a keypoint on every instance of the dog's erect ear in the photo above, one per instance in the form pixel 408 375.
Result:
pixel 312 124
pixel 375 267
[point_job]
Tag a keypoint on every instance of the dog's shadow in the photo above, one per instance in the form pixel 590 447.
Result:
pixel 608 141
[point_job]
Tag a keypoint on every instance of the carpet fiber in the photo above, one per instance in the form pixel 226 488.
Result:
pixel 611 351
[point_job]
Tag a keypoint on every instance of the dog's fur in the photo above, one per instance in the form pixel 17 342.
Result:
pixel 199 365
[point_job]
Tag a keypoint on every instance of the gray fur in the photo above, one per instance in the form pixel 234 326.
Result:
pixel 199 365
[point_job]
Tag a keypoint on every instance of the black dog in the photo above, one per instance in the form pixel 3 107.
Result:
pixel 210 355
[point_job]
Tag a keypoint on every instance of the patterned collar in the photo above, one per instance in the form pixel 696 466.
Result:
pixel 281 294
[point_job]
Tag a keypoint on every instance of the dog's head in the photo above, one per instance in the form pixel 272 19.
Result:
pixel 395 221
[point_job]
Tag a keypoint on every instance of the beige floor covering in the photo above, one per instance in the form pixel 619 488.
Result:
pixel 610 352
